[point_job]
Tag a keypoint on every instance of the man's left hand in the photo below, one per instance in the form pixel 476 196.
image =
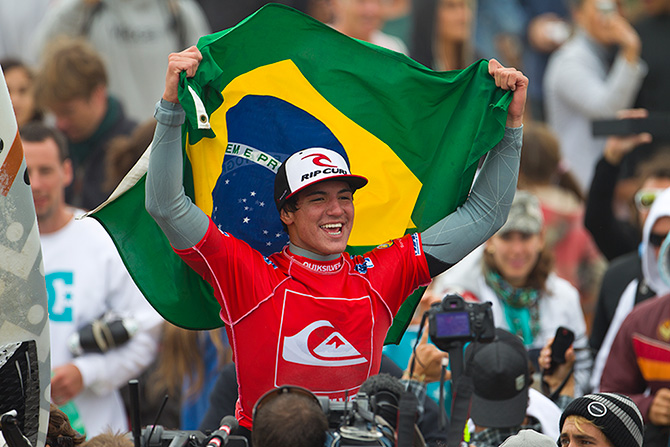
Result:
pixel 511 79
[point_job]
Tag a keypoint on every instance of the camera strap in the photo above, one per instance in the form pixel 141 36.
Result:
pixel 406 419
pixel 460 410
pixel 553 395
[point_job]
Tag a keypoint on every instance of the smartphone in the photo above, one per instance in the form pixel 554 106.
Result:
pixel 562 341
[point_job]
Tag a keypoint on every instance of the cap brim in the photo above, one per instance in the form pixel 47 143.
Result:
pixel 355 181
pixel 499 413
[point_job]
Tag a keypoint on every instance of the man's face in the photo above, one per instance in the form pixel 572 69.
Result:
pixel 79 118
pixel 48 176
pixel 580 434
pixel 324 218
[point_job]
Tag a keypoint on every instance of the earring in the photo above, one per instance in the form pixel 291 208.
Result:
pixel 490 249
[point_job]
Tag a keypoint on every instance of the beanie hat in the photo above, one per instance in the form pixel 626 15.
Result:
pixel 310 166
pixel 617 416
pixel 528 438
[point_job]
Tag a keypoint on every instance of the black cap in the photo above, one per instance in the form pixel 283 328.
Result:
pixel 501 377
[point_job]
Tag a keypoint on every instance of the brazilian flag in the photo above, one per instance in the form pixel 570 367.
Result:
pixel 277 83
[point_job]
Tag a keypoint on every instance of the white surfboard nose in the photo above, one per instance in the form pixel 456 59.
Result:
pixel 24 332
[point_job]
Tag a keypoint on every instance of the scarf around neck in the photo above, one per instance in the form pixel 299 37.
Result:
pixel 519 306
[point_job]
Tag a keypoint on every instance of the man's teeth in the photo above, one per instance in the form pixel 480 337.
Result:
pixel 337 226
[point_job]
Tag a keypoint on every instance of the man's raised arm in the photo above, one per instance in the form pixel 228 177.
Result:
pixel 183 223
pixel 486 209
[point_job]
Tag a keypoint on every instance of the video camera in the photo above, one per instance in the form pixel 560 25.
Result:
pixel 455 320
pixel 367 420
pixel 370 419
pixel 157 436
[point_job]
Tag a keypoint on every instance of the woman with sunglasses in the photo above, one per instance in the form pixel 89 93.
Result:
pixel 620 240
pixel 655 230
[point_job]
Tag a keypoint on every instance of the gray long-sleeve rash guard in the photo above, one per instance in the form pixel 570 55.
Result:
pixel 444 243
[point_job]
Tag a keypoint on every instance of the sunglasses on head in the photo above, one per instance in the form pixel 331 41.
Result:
pixel 283 389
pixel 644 198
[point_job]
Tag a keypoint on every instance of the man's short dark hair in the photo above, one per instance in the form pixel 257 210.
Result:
pixel 36 132
pixel 291 206
pixel 290 420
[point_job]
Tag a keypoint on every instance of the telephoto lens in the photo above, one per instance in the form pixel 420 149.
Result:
pixel 102 335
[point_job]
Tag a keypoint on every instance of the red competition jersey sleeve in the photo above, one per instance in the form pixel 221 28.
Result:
pixel 240 276
pixel 395 269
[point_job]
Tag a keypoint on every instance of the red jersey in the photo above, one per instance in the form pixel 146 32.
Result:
pixel 292 320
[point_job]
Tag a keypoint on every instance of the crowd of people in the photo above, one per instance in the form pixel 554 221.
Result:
pixel 574 224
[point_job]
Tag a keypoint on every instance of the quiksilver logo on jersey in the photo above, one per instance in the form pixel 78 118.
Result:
pixel 323 268
pixel 334 350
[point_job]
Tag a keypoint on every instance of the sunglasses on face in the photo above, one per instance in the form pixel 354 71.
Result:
pixel 284 389
pixel 656 240
pixel 644 198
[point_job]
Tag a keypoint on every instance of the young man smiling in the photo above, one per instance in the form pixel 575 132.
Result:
pixel 311 315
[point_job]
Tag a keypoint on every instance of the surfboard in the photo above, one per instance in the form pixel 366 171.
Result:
pixel 25 368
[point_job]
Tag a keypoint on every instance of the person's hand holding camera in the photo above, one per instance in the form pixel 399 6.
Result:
pixel 427 360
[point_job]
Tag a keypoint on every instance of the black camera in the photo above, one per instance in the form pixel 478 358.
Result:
pixel 455 320
pixel 371 418
pixel 356 423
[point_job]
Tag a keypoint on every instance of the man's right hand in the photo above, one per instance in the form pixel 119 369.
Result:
pixel 511 79
pixel 188 61
pixel 659 410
